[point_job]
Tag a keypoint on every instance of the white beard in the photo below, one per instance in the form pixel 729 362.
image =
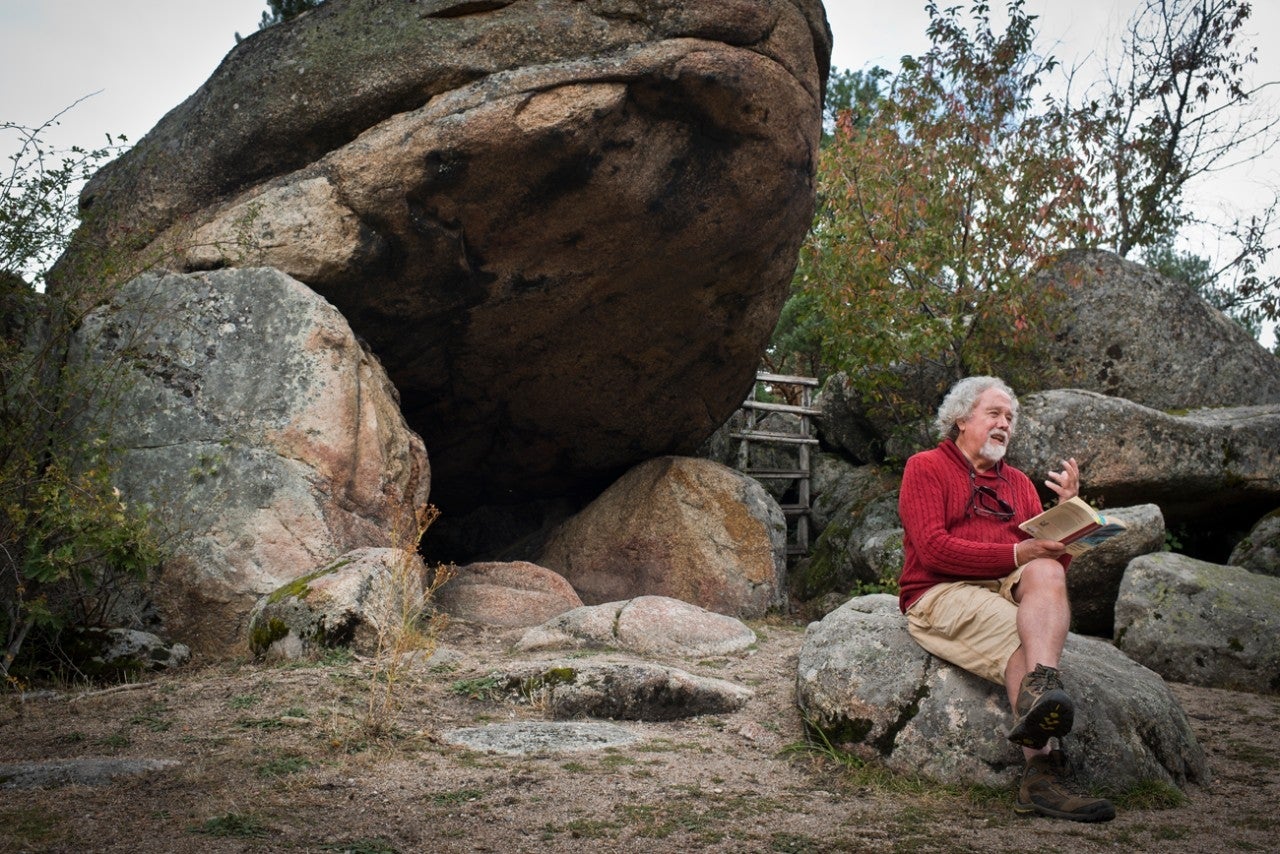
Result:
pixel 993 451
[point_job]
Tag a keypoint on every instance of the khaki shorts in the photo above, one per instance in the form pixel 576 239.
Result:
pixel 972 624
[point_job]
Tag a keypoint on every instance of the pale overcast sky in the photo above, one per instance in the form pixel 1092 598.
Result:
pixel 144 57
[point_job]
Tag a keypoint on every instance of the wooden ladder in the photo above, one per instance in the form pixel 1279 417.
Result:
pixel 802 441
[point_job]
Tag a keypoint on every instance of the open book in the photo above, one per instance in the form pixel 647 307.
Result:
pixel 1073 523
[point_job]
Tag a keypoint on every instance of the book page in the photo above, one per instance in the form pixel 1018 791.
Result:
pixel 1060 522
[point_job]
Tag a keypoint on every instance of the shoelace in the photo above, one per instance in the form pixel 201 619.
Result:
pixel 1044 680
pixel 1065 772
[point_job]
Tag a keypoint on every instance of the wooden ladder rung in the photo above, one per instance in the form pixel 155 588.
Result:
pixel 780 407
pixel 765 436
pixel 777 474
pixel 783 378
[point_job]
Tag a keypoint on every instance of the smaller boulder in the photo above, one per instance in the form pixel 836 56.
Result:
pixel 648 625
pixel 1198 622
pixel 633 691
pixel 1093 583
pixel 513 594
pixel 1202 462
pixel 868 686
pixel 839 486
pixel 120 653
pixel 80 771
pixel 869 430
pixel 1104 339
pixel 680 527
pixel 356 601
pixel 522 738
pixel 244 404
pixel 1259 551
pixel 861 544
pixel 151 652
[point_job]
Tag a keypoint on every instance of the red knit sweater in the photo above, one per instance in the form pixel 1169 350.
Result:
pixel 941 542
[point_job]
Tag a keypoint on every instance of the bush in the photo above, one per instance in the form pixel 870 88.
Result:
pixel 67 540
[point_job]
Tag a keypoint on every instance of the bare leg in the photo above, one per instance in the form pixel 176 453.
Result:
pixel 1044 616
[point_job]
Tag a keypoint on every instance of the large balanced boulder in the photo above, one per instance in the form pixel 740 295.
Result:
pixel 249 411
pixel 1198 622
pixel 1105 341
pixel 1201 463
pixel 566 228
pixel 679 527
pixel 864 682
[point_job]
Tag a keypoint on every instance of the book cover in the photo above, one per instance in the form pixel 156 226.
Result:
pixel 1074 524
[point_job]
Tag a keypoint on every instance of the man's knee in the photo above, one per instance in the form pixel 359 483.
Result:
pixel 1041 577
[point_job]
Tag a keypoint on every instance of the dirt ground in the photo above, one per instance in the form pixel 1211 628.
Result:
pixel 280 757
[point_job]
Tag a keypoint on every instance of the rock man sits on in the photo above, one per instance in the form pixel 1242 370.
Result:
pixel 982 596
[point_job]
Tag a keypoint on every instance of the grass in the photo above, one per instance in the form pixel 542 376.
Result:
pixel 616 760
pixel 232 824
pixel 457 796
pixel 1254 754
pixel 28 827
pixel 795 843
pixel 260 723
pixel 377 845
pixel 115 741
pixel 334 656
pixel 284 765
pixel 152 723
pixel 582 828
pixel 786 804
pixel 1150 795
pixel 487 688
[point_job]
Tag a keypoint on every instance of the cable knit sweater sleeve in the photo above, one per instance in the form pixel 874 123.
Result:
pixel 944 543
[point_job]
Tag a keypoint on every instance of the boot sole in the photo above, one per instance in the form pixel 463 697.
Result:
pixel 1031 809
pixel 1050 718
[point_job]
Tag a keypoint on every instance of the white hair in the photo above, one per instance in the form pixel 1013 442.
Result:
pixel 960 401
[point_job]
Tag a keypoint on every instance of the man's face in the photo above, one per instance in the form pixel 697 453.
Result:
pixel 985 432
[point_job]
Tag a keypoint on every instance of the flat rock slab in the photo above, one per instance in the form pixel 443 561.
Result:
pixel 87 772
pixel 540 737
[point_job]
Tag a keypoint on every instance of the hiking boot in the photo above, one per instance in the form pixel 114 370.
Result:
pixel 1043 710
pixel 1049 788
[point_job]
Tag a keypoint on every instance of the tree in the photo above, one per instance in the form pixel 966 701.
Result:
pixel 1176 108
pixel 283 10
pixel 796 344
pixel 936 213
pixel 851 92
pixel 38 208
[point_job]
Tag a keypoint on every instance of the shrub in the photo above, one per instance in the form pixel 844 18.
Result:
pixel 67 539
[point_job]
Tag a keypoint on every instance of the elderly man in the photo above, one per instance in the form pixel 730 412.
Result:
pixel 982 596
